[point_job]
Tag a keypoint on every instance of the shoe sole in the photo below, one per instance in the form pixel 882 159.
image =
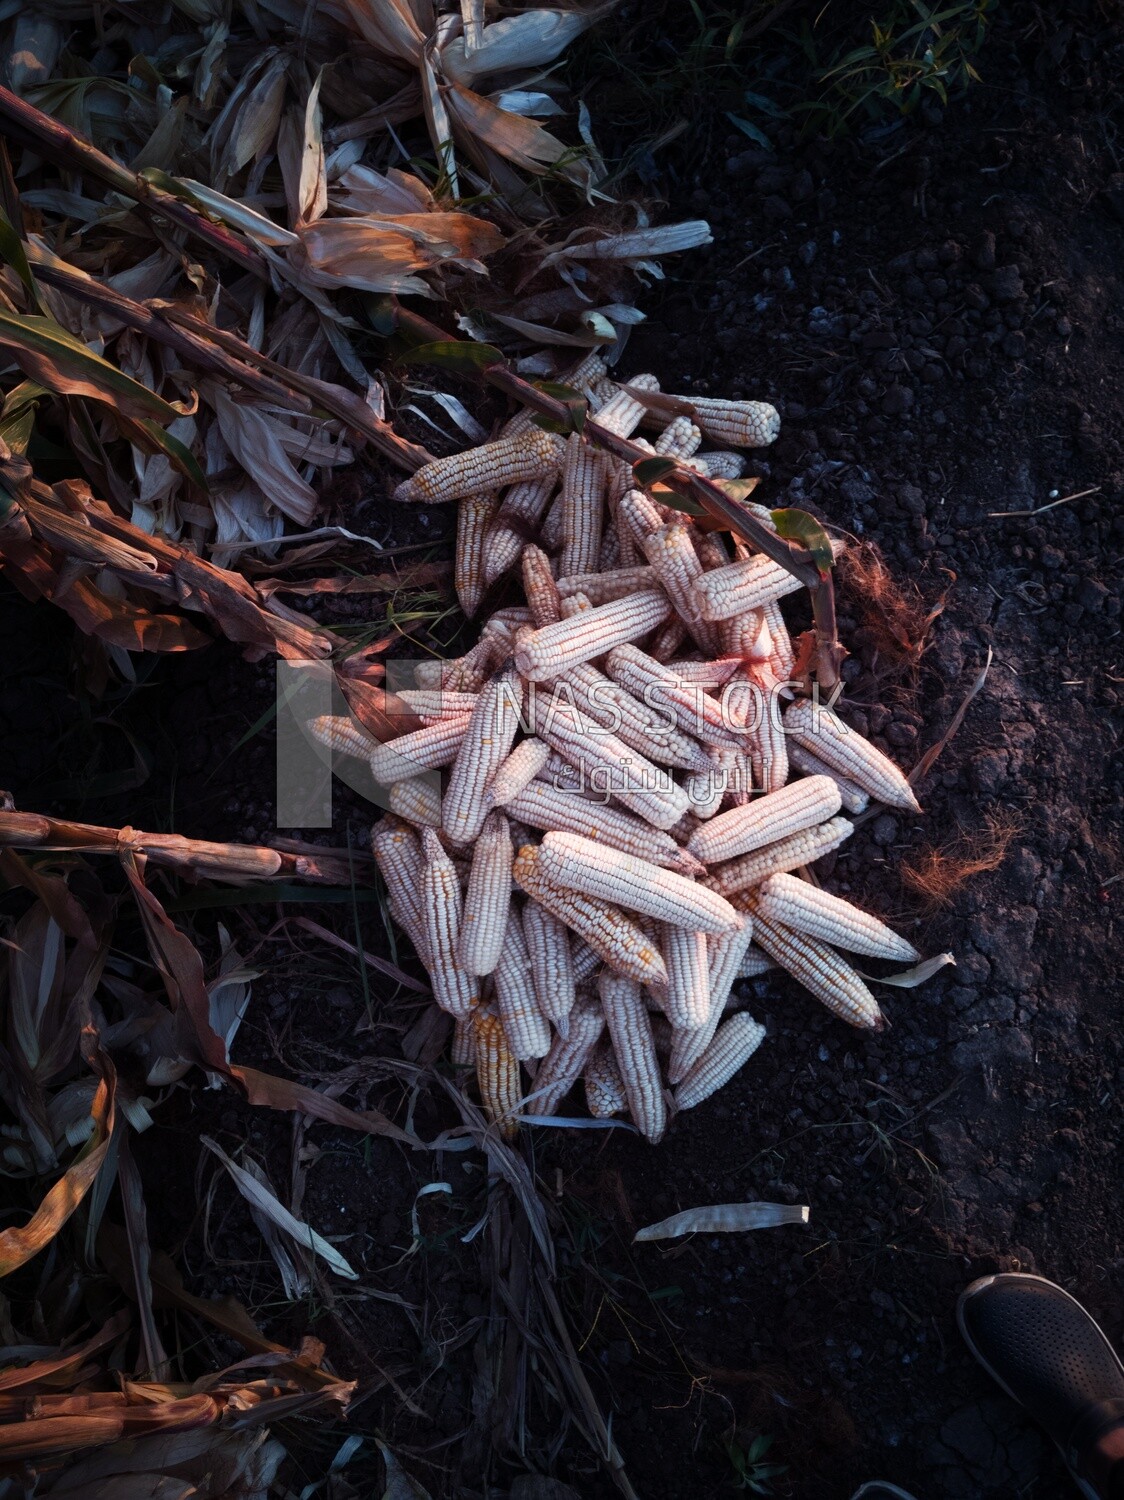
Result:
pixel 978 1286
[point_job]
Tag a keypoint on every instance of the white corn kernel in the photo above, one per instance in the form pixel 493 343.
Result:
pixel 549 651
pixel 789 853
pixel 568 860
pixel 487 901
pixel 765 820
pixel 487 740
pixel 528 1031
pixel 615 939
pixel 805 908
pixel 626 1018
pixel 532 454
pixel 734 1043
pixel 824 733
pixel 453 988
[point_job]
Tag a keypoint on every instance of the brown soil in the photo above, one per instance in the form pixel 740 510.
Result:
pixel 939 314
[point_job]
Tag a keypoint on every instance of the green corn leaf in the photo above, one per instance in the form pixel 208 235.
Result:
pixel 48 354
pixel 461 355
pixel 13 252
pixel 649 471
pixel 799 526
pixel 573 400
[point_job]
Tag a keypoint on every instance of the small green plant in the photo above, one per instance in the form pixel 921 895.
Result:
pixel 916 47
pixel 751 1472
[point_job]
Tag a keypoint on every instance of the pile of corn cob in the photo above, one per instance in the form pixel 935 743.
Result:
pixel 590 840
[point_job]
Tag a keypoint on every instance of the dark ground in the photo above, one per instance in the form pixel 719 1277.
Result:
pixel 939 315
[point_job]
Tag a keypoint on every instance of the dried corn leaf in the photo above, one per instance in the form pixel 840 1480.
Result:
pixel 527 40
pixel 265 1205
pixel 514 137
pixel 722 1218
pixel 19 1245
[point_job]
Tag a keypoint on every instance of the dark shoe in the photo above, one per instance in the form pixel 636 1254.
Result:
pixel 1047 1353
pixel 878 1489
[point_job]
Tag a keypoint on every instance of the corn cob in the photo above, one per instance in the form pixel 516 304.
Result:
pixel 615 939
pixel 718 465
pixel 585 962
pixel 854 799
pixel 768 746
pixel 573 604
pixel 418 800
pixel 466 673
pixel 487 901
pixel 818 968
pixel 519 515
pixel 474 517
pixel 497 1073
pixel 552 969
pixel 626 1019
pixel 585 374
pixel 754 963
pixel 667 640
pixel 432 705
pixel 518 771
pixel 609 557
pixel 711 675
pixel 724 956
pixel 735 1042
pixel 568 860
pixel 528 1031
pixel 821 731
pixel 747 635
pixel 599 588
pixel 676 564
pixel 737 766
pixel 686 999
pixel 639 515
pixel 744 424
pixel 454 990
pixel 401 864
pixel 540 587
pixel 706 789
pixel 341 735
pixel 782 658
pixel 551 650
pixel 622 413
pixel 679 439
pixel 462 1052
pixel 505 622
pixel 801 804
pixel 711 553
pixel 604 1086
pixel 805 908
pixel 543 805
pixel 739 586
pixel 614 708
pixel 565 1063
pixel 486 743
pixel 613 768
pixel 583 506
pixel 423 750
pixel 551 532
pixel 785 854
pixel 532 454
pixel 694 711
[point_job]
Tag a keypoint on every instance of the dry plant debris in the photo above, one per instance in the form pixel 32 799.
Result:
pixel 595 831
